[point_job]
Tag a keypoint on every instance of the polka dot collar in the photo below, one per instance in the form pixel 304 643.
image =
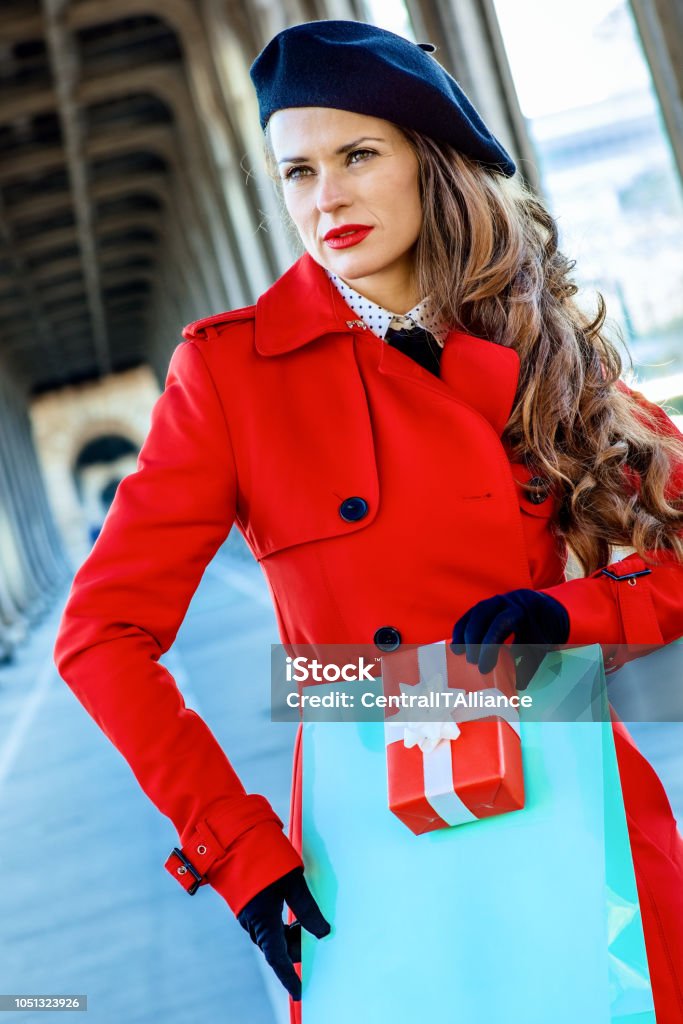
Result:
pixel 379 320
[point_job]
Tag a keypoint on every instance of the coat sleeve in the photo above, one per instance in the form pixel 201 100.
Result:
pixel 624 603
pixel 126 604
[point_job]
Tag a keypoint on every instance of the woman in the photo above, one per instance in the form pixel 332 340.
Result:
pixel 412 427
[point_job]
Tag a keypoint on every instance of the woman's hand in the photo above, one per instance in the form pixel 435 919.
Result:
pixel 281 943
pixel 527 615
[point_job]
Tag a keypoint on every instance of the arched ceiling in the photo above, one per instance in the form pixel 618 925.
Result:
pixel 126 207
pixel 87 145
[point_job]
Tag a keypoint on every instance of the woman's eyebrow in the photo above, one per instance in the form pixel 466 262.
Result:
pixel 342 149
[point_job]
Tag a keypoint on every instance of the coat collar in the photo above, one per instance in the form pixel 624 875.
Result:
pixel 303 305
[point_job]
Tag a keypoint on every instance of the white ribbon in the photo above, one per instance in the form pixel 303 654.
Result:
pixel 434 737
pixel 428 735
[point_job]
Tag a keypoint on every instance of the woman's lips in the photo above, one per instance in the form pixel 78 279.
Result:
pixel 347 237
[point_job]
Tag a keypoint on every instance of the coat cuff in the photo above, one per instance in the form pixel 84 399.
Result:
pixel 258 857
pixel 614 606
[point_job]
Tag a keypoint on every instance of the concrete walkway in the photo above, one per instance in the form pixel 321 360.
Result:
pixel 86 906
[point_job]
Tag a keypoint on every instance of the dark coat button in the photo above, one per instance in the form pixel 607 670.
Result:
pixel 353 509
pixel 538 496
pixel 387 638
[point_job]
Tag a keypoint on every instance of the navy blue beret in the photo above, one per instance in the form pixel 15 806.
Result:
pixel 353 66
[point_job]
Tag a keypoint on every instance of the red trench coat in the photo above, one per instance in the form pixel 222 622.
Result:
pixel 272 421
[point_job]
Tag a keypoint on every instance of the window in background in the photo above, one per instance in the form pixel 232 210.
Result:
pixel 607 170
pixel 389 14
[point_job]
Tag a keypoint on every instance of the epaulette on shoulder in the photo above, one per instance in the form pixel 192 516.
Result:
pixel 208 326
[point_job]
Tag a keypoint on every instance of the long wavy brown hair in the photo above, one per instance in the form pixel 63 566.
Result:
pixel 488 256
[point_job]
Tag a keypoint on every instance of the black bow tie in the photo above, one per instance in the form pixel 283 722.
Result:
pixel 418 344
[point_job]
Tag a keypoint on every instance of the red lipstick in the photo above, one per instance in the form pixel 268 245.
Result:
pixel 347 235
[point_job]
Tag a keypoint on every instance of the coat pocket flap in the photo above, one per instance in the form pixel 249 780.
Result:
pixel 312 474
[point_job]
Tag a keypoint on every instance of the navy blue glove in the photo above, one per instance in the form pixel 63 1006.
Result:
pixel 527 615
pixel 280 943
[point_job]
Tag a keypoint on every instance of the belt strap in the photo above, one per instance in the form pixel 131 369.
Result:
pixel 207 843
pixel 634 599
pixel 190 864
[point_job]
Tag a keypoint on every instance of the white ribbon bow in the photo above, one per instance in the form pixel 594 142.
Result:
pixel 428 735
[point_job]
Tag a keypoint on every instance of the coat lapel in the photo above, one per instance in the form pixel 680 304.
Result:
pixel 481 374
pixel 474 371
pixel 304 305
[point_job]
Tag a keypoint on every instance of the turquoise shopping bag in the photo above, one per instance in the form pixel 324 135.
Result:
pixel 523 918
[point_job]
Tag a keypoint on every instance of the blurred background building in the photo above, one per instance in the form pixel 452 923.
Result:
pixel 133 200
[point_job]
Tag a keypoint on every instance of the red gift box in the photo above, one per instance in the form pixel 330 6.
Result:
pixel 465 760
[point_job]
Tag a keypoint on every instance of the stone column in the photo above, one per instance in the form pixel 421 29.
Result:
pixel 48 543
pixel 26 583
pixel 470 47
pixel 22 499
pixel 660 25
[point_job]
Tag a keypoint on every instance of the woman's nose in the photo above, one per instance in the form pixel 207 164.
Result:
pixel 331 193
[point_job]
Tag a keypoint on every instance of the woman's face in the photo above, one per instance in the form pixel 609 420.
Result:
pixel 350 184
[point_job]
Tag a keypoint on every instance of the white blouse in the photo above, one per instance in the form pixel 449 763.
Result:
pixel 379 320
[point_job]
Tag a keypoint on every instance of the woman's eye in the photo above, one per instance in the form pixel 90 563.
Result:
pixel 294 173
pixel 356 156
pixel 362 155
